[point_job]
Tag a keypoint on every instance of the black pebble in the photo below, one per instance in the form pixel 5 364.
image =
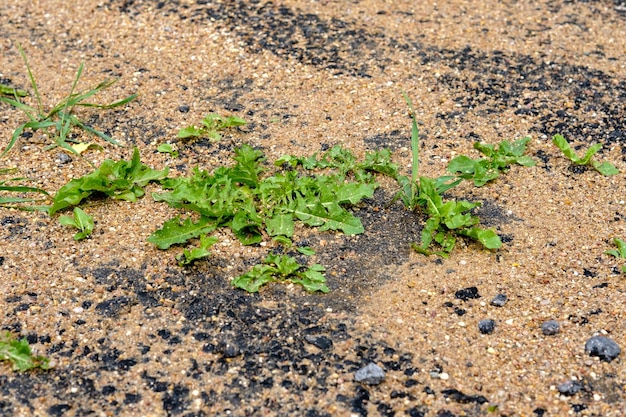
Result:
pixel 467 293
pixel 486 326
pixel 499 300
pixel 550 327
pixel 183 109
pixel 569 388
pixel 603 347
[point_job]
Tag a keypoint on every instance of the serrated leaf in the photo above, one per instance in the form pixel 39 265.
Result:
pixel 314 214
pixel 175 231
pixel 280 224
pixel 122 180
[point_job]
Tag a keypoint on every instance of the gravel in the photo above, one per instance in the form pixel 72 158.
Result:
pixel 550 327
pixel 499 300
pixel 371 374
pixel 603 347
pixel 487 326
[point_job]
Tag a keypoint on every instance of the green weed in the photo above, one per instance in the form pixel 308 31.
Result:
pixel 168 148
pixel 212 124
pixel 190 256
pixel 255 202
pixel 620 252
pixel 499 158
pixel 121 180
pixel 604 168
pixel 446 219
pixel 12 195
pixel 81 221
pixel 19 354
pixel 59 121
pixel 283 268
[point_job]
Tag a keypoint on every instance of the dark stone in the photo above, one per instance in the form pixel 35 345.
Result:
pixel 486 326
pixel 569 388
pixel 603 347
pixel 550 327
pixel 321 342
pixel 458 396
pixel 370 374
pixel 499 300
pixel 467 293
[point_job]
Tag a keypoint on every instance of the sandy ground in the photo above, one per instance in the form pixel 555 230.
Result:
pixel 132 334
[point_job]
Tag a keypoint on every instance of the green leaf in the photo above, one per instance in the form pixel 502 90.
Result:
pixel 167 148
pixel 81 221
pixel 336 218
pixel 563 145
pixel 175 231
pixel 189 132
pixel 121 180
pixel 254 279
pixel 280 224
pixel 246 225
pixel 190 256
pixel 305 250
pixel 605 168
pixel 19 354
pixel 282 268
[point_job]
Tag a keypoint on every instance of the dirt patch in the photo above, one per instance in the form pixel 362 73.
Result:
pixel 131 333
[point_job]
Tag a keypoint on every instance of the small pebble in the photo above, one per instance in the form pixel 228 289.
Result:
pixel 550 327
pixel 499 300
pixel 467 293
pixel 603 347
pixel 486 326
pixel 63 158
pixel 569 388
pixel 371 374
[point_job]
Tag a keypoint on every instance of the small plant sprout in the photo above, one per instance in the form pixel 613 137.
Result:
pixel 190 256
pixel 59 121
pixel 19 354
pixel 121 180
pixel 20 196
pixel 212 124
pixel 499 158
pixel 81 221
pixel 168 148
pixel 620 252
pixel 604 168
pixel 283 268
pixel 446 219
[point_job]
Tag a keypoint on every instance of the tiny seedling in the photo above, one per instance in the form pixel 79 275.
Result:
pixel 168 148
pixel 121 180
pixel 283 268
pixel 446 220
pixel 19 354
pixel 12 196
pixel 60 120
pixel 81 221
pixel 604 168
pixel 620 252
pixel 499 158
pixel 190 256
pixel 212 124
